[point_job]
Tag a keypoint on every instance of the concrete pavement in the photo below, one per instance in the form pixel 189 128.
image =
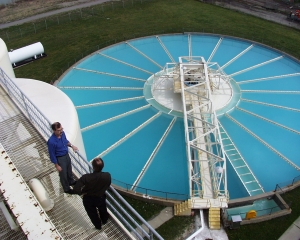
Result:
pixel 293 232
pixel 167 213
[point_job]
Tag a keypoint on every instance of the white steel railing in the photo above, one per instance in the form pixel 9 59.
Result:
pixel 38 119
pixel 208 166
pixel 80 164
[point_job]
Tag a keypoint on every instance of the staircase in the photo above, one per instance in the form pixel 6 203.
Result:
pixel 214 220
pixel 183 208
pixel 28 152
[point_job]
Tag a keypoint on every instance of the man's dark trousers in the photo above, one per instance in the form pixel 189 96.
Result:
pixel 66 176
pixel 91 204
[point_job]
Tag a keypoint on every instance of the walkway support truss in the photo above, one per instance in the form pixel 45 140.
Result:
pixel 205 152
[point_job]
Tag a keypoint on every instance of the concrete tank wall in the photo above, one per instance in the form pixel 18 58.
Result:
pixel 5 63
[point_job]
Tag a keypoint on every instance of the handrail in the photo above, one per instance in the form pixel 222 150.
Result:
pixel 129 188
pixel 43 126
pixel 26 106
pixel 239 158
pixel 136 213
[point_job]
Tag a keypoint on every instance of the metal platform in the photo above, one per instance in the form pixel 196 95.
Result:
pixel 25 152
pixel 203 88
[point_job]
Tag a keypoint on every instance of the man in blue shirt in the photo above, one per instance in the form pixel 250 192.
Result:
pixel 58 150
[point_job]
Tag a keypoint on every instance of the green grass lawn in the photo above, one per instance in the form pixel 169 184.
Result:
pixel 70 40
pixel 69 37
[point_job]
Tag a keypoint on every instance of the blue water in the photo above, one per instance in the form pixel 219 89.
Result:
pixel 100 138
pixel 232 48
pixel 262 207
pixel 203 45
pixel 95 114
pixel 259 158
pixel 280 99
pixel 80 78
pixel 88 96
pixel 129 55
pixel 169 167
pixel 122 76
pixel 251 58
pixel 278 115
pixel 277 139
pixel 267 70
pixel 177 45
pixel 235 187
pixel 281 84
pixel 127 160
pixel 103 64
pixel 146 45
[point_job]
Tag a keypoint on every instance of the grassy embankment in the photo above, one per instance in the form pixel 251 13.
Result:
pixel 69 37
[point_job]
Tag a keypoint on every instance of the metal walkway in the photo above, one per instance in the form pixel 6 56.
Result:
pixel 206 160
pixel 25 151
pixel 239 165
pixel 28 151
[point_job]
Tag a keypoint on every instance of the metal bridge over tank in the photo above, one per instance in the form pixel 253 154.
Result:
pixel 203 88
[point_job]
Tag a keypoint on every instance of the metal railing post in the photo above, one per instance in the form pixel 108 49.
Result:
pixel 80 164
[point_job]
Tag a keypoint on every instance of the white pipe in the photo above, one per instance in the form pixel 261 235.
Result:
pixel 202 227
pixel 41 194
pixel 8 217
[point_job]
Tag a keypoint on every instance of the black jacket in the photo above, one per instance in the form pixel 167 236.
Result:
pixel 93 184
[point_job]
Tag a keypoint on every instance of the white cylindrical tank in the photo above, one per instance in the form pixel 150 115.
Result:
pixel 30 51
pixel 41 194
pixel 5 63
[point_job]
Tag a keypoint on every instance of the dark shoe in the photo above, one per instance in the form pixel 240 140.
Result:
pixel 104 222
pixel 73 184
pixel 70 191
pixel 98 228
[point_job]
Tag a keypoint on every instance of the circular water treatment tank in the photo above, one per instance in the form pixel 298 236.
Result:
pixel 140 134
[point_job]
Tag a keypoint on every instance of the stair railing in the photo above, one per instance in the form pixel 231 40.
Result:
pixel 80 164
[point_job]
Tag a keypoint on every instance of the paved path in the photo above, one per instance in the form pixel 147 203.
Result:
pixel 54 12
pixel 262 13
pixel 293 232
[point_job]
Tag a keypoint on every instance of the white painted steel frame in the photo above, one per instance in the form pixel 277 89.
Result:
pixel 203 135
pixel 205 153
pixel 207 167
pixel 28 212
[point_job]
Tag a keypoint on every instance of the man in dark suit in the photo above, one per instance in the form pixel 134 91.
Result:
pixel 93 186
